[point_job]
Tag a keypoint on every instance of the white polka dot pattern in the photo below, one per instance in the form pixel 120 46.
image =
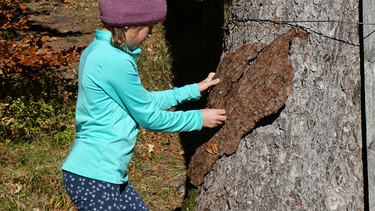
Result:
pixel 90 194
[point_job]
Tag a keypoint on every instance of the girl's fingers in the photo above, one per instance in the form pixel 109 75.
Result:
pixel 215 81
pixel 210 76
pixel 221 111
pixel 213 117
pixel 221 116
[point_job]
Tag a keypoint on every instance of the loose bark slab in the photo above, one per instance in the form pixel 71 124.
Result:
pixel 256 81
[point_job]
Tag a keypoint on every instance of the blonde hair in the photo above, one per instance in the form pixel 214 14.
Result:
pixel 118 38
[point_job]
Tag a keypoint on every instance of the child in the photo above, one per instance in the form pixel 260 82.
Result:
pixel 112 103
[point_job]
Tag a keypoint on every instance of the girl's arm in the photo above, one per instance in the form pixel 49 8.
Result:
pixel 168 98
pixel 120 80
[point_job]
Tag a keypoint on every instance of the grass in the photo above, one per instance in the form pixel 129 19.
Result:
pixel 30 167
pixel 157 170
pixel 31 175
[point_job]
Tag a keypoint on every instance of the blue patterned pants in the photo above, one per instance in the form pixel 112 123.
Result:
pixel 91 194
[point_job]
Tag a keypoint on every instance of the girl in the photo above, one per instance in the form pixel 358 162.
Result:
pixel 112 103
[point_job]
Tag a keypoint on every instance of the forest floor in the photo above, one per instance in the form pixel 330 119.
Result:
pixel 158 170
pixel 72 22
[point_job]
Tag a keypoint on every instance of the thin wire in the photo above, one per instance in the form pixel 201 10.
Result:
pixel 304 21
pixel 369 34
pixel 300 21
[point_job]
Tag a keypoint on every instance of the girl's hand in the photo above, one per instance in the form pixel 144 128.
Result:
pixel 213 117
pixel 208 83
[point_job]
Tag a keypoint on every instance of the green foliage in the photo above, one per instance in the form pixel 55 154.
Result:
pixel 25 120
pixel 189 202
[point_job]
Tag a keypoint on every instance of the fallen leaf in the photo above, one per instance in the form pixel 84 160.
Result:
pixel 16 188
pixel 22 6
pixel 150 148
pixel 212 149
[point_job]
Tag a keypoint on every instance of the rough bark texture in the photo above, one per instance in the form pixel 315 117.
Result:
pixel 310 156
pixel 256 81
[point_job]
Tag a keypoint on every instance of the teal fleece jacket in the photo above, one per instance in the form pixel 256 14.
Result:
pixel 111 105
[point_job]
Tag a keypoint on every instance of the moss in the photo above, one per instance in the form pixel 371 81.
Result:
pixel 189 202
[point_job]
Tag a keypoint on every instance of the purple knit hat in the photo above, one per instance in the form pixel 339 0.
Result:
pixel 132 12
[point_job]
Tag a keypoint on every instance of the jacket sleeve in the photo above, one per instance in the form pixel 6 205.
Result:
pixel 119 78
pixel 167 99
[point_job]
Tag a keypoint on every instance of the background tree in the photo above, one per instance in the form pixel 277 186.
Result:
pixel 369 74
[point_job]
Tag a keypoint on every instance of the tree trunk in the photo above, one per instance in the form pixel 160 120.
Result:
pixel 310 156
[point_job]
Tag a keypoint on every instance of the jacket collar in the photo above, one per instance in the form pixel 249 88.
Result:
pixel 105 36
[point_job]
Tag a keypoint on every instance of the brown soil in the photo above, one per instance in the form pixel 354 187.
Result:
pixel 72 22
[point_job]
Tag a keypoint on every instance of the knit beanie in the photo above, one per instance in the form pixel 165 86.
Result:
pixel 132 12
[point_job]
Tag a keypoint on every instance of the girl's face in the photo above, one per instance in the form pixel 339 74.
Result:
pixel 135 35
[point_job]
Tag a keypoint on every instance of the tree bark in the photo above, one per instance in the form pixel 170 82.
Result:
pixel 310 156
